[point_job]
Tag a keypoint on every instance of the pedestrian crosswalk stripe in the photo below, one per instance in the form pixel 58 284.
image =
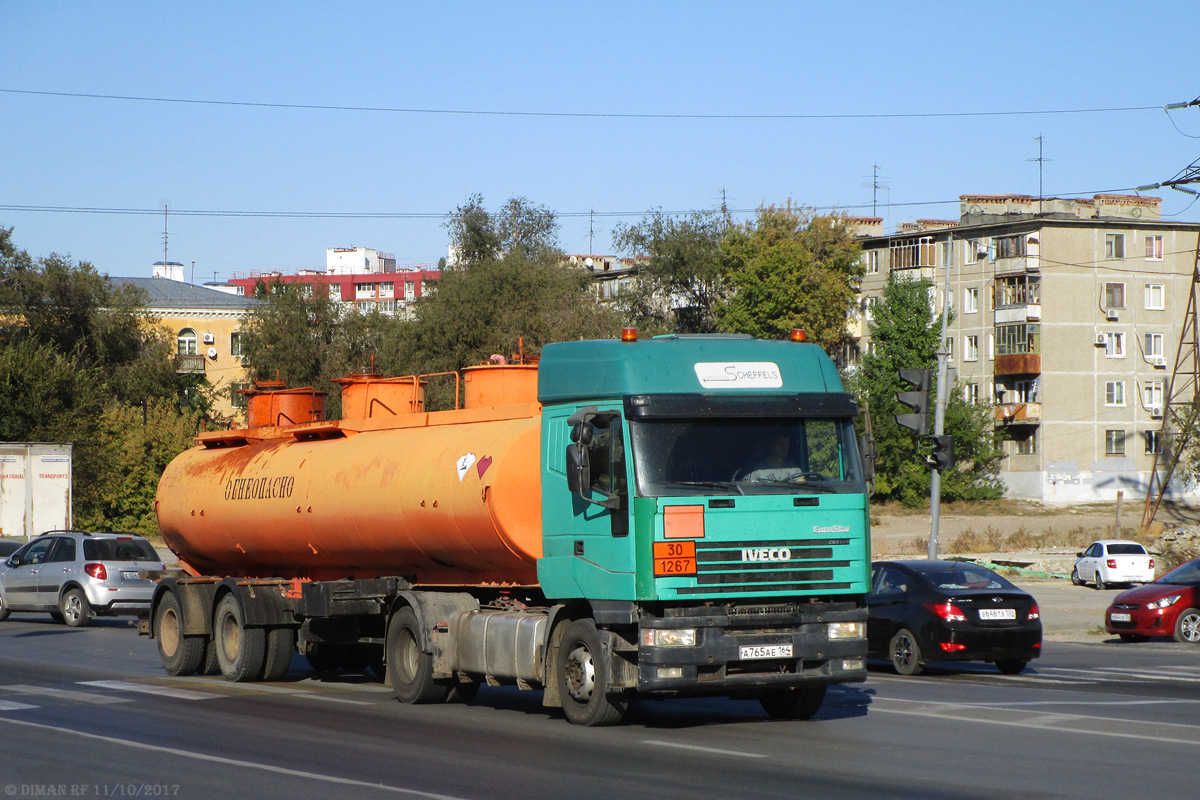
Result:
pixel 146 688
pixel 65 694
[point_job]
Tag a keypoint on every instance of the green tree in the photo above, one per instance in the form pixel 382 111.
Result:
pixel 790 269
pixel 685 277
pixel 906 333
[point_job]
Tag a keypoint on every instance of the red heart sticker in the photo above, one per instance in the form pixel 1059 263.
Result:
pixel 482 464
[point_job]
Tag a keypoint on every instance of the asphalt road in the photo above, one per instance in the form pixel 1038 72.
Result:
pixel 90 713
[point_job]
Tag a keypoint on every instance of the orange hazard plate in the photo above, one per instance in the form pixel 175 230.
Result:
pixel 674 558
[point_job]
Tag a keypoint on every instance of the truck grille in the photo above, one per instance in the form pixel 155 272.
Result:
pixel 782 566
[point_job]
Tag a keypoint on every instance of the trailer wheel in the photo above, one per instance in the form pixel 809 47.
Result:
pixel 211 665
pixel 582 676
pixel 240 650
pixel 798 703
pixel 409 668
pixel 281 641
pixel 180 655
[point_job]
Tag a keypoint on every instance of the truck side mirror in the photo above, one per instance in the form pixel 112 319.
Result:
pixel 579 470
pixel 866 452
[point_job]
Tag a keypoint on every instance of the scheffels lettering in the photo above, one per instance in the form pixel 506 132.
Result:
pixel 259 488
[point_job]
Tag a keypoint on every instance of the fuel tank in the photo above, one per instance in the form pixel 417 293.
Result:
pixel 448 497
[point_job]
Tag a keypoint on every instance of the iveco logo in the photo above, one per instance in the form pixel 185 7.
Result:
pixel 766 554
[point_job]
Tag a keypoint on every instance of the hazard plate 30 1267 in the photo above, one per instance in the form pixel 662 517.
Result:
pixel 764 651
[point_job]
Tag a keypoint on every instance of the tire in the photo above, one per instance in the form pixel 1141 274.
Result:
pixel 1012 666
pixel 241 651
pixel 409 668
pixel 281 642
pixel 1132 637
pixel 211 665
pixel 582 676
pixel 1075 579
pixel 74 607
pixel 180 655
pixel 1187 626
pixel 459 692
pixel 905 653
pixel 1100 584
pixel 799 703
pixel 4 610
pixel 325 658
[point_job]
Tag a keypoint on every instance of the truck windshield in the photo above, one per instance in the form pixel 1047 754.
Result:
pixel 677 458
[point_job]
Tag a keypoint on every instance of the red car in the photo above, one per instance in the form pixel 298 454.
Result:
pixel 1170 606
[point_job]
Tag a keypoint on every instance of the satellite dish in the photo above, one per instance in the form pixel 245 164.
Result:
pixel 212 352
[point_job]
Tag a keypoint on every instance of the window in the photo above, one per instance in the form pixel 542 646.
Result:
pixel 387 306
pixel 991 347
pixel 1018 339
pixel 1154 297
pixel 235 343
pixel 1114 245
pixel 970 301
pixel 1114 393
pixel 1114 344
pixel 1114 443
pixel 1018 290
pixel 1153 344
pixel 1152 394
pixel 1114 295
pixel 408 290
pixel 870 260
pixel 868 306
pixel 910 253
pixel 364 290
pixel 1009 246
pixel 188 344
pixel 1025 444
pixel 235 394
pixel 1154 249
pixel 386 289
pixel 971 256
pixel 971 348
pixel 335 292
pixel 1025 391
pixel 1153 442
pixel 970 393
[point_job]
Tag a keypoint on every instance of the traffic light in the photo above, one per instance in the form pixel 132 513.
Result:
pixel 942 457
pixel 917 400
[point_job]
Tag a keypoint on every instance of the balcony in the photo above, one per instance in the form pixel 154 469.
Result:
pixel 1018 413
pixel 189 364
pixel 1022 313
pixel 1018 265
pixel 1019 364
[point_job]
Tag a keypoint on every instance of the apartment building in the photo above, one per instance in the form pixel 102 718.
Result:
pixel 1067 316
pixel 361 279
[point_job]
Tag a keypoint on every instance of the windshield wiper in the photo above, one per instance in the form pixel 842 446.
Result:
pixel 819 487
pixel 731 485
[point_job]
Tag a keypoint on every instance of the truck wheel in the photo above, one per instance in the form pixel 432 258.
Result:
pixel 180 655
pixel 582 676
pixel 798 703
pixel 409 668
pixel 324 658
pixel 211 665
pixel 240 650
pixel 74 607
pixel 281 641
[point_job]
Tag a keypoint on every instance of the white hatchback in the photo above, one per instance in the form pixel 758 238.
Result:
pixel 1110 561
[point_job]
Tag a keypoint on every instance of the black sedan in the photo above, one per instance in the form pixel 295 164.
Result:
pixel 923 611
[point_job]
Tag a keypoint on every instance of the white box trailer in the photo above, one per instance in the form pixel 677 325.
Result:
pixel 35 488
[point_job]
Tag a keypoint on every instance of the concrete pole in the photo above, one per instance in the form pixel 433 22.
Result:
pixel 939 408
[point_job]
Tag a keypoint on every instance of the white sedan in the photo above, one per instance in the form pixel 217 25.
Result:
pixel 1112 561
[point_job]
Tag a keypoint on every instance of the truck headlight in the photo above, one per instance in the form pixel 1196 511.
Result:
pixel 669 637
pixel 844 630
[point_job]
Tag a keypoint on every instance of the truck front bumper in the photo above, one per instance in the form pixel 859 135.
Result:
pixel 742 650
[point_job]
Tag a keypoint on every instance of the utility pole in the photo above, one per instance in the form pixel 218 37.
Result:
pixel 939 409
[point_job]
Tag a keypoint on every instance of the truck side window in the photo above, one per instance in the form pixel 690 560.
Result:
pixel 606 454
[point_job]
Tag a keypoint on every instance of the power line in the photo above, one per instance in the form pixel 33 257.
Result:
pixel 572 114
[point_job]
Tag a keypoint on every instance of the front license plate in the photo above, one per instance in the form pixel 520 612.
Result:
pixel 765 651
pixel 1119 617
pixel 997 613
pixel 129 575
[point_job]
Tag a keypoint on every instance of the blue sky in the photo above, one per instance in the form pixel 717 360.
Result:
pixel 613 63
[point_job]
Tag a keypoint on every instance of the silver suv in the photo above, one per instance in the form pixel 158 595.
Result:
pixel 76 575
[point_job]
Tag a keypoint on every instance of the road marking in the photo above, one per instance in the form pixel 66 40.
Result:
pixel 12 705
pixel 714 750
pixel 233 762
pixel 1115 673
pixel 66 694
pixel 260 688
pixel 145 688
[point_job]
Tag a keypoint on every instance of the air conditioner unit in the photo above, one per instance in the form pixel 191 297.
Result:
pixel 1101 340
pixel 1111 314
pixel 209 338
pixel 1156 412
pixel 1158 361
